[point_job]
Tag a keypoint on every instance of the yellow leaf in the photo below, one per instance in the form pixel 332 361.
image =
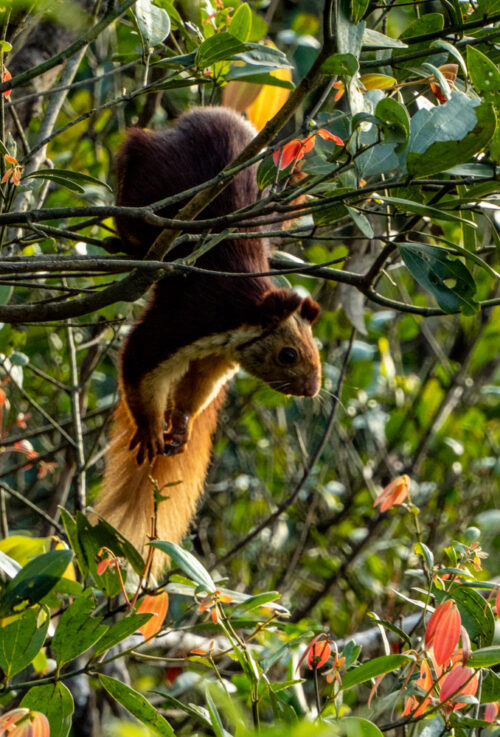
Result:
pixel 269 100
pixel 240 95
pixel 377 81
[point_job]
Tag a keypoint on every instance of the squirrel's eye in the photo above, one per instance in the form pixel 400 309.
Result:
pixel 287 356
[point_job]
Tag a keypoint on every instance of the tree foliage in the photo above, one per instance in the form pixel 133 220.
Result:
pixel 295 606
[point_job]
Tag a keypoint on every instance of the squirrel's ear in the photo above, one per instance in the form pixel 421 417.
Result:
pixel 275 306
pixel 309 310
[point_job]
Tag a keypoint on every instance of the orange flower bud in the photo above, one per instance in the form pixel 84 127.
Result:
pixel 24 723
pixel 443 630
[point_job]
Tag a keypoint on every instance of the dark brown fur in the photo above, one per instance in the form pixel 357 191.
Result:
pixel 184 312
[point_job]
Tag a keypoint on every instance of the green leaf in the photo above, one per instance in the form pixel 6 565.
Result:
pixel 426 553
pixel 5 47
pixel 440 79
pixel 471 256
pixel 71 179
pixel 241 23
pixel 77 630
pixel 342 65
pixel 432 267
pixel 69 523
pixel 361 221
pixel 221 47
pixel 490 688
pixel 329 214
pixel 215 719
pixel 375 38
pixel 253 602
pixel 476 617
pixel 441 155
pixel 188 563
pixel 447 46
pixel 19 359
pixel 20 641
pixel 392 628
pixel 395 120
pixel 120 631
pixel 428 23
pixel 5 293
pixel 266 173
pixel 484 74
pixel 137 705
pixel 358 9
pixel 153 23
pixel 485 657
pixel 92 538
pixel 257 75
pixel 355 727
pixel 198 713
pixel 349 35
pixel 425 210
pixel 34 581
pixel 183 60
pixel 374 668
pixel 258 55
pixel 56 702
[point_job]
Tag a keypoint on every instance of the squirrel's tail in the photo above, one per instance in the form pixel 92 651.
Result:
pixel 126 498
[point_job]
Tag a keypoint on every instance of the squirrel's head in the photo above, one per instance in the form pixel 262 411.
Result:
pixel 285 355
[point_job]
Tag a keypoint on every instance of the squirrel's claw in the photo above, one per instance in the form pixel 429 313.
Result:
pixel 149 445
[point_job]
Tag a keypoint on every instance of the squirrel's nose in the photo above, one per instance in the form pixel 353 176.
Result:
pixel 312 385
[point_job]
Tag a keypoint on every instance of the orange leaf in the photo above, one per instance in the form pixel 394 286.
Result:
pixel 291 151
pixel 459 681
pixel 425 680
pixel 103 565
pixel 327 136
pixel 6 75
pixel 340 87
pixel 16 175
pixel 158 606
pixel 394 494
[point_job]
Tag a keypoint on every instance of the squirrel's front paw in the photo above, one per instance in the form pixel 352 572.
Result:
pixel 177 435
pixel 150 444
